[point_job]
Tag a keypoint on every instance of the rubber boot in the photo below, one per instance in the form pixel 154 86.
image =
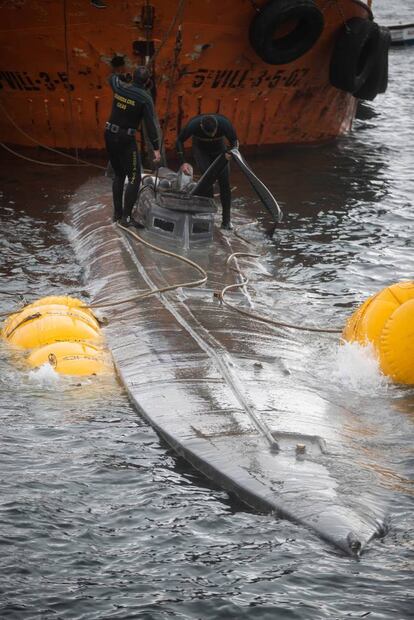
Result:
pixel 226 225
pixel 129 222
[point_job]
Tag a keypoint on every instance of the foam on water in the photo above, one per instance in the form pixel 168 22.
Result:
pixel 83 255
pixel 44 376
pixel 356 367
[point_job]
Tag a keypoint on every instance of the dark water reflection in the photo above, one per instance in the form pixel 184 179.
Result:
pixel 97 518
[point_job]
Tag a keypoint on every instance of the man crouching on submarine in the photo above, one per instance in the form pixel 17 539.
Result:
pixel 131 104
pixel 208 132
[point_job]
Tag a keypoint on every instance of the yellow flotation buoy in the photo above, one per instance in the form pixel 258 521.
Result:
pixel 64 300
pixel 71 358
pixel 61 331
pixel 41 325
pixel 41 308
pixel 387 321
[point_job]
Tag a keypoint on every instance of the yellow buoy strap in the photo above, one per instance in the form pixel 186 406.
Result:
pixel 83 316
pixel 93 358
pixel 36 315
pixel 53 360
pixel 31 317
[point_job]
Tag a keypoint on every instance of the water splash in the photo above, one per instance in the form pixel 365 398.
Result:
pixel 44 376
pixel 356 367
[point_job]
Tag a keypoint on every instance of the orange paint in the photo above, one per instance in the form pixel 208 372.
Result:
pixel 54 65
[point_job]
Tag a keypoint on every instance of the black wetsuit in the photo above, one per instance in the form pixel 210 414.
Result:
pixel 206 149
pixel 131 104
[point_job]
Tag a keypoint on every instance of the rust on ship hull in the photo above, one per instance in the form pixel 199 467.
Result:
pixel 56 57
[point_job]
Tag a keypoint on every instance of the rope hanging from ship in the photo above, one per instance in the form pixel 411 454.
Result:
pixel 178 15
pixel 37 161
pixel 80 162
pixel 171 79
pixel 67 66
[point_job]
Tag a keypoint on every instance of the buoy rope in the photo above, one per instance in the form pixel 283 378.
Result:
pixel 6 314
pixel 171 79
pixel 170 28
pixel 164 289
pixel 48 148
pixel 259 317
pixel 26 319
pixel 81 316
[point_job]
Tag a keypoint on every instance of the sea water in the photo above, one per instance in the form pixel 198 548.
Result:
pixel 98 518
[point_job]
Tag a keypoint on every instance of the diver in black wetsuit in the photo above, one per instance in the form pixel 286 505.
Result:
pixel 208 132
pixel 131 104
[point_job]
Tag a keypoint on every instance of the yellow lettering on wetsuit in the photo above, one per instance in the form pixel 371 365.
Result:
pixel 124 100
pixel 134 167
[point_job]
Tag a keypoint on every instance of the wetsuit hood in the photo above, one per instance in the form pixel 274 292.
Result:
pixel 141 77
pixel 209 126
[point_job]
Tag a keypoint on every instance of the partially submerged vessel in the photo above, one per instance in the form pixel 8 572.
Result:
pixel 284 71
pixel 402 34
pixel 213 381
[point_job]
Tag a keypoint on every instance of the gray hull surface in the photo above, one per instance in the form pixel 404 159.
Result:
pixel 212 383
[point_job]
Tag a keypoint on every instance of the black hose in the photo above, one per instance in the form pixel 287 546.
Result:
pixel 264 194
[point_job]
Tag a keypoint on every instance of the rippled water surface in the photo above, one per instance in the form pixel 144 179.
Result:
pixel 98 519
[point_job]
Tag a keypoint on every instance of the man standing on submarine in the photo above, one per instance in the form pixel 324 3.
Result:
pixel 132 104
pixel 208 133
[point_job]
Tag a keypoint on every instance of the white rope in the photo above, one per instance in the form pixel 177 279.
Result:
pixel 44 146
pixel 259 317
pixel 164 289
pixel 37 161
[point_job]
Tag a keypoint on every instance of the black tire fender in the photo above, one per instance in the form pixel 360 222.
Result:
pixel 377 80
pixel 276 13
pixel 355 54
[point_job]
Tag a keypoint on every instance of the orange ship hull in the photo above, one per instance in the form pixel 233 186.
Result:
pixel 55 58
